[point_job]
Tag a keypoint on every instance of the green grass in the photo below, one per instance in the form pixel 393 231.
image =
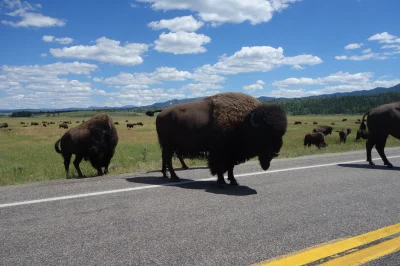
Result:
pixel 27 153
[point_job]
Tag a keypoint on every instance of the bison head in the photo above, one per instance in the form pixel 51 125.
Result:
pixel 267 125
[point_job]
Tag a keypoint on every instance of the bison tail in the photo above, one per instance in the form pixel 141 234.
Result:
pixel 363 126
pixel 151 113
pixel 56 146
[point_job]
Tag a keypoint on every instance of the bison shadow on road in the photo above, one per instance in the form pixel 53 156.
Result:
pixel 367 166
pixel 208 186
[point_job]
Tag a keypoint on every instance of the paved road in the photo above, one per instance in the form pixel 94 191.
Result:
pixel 143 219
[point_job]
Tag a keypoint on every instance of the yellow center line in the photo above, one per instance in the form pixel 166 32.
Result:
pixel 367 254
pixel 331 248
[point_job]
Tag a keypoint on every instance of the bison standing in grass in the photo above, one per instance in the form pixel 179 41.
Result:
pixel 297 122
pixel 316 138
pixel 63 126
pixel 130 125
pixel 343 134
pixel 382 121
pixel 326 130
pixel 94 139
pixel 230 127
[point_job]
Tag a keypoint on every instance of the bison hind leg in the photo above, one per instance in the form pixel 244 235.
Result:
pixel 380 147
pixel 184 166
pixel 67 160
pixel 77 161
pixel 167 163
pixel 231 177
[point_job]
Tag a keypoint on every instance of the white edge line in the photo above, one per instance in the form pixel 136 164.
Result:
pixel 173 184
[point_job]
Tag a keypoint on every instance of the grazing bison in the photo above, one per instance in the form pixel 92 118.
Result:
pixel 343 134
pixel 22 123
pixel 34 123
pixel 130 125
pixel 382 121
pixel 95 140
pixel 3 125
pixel 316 138
pixel 315 123
pixel 332 124
pixel 344 119
pixel 297 122
pixel 116 123
pixel 326 130
pixel 357 122
pixel 139 124
pixel 230 127
pixel 63 125
pixel 77 122
pixel 44 124
pixel 126 121
pixel 52 123
pixel 361 134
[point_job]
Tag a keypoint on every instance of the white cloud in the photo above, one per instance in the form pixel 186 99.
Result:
pixel 297 67
pixel 43 55
pixel 105 50
pixel 352 46
pixel 384 37
pixel 186 23
pixel 391 46
pixel 366 56
pixel 254 87
pixel 43 85
pixel 182 43
pixel 65 40
pixel 27 17
pixel 133 5
pixel 255 59
pixel 341 57
pixel 222 11
pixel 366 51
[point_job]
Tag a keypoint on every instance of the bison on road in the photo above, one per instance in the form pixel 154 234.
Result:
pixel 94 139
pixel 230 127
pixel 343 134
pixel 326 130
pixel 316 138
pixel 382 121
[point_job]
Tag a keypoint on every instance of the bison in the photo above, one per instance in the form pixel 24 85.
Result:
pixel 22 123
pixel 361 134
pixel 116 123
pixel 63 125
pixel 52 123
pixel 3 125
pixel 94 139
pixel 316 138
pixel 332 124
pixel 326 130
pixel 230 127
pixel 130 125
pixel 344 120
pixel 315 123
pixel 382 121
pixel 297 122
pixel 343 134
pixel 139 124
pixel 44 124
pixel 34 123
pixel 77 122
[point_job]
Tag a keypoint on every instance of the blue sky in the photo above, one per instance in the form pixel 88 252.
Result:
pixel 115 53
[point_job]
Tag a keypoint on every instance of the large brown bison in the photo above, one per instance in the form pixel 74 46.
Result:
pixel 34 123
pixel 139 124
pixel 315 123
pixel 382 121
pixel 297 122
pixel 3 125
pixel 316 138
pixel 326 130
pixel 343 134
pixel 230 127
pixel 94 139
pixel 130 125
pixel 63 125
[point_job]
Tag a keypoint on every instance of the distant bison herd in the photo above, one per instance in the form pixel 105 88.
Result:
pixel 226 129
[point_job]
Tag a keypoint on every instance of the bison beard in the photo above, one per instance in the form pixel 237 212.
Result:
pixel 94 140
pixel 231 127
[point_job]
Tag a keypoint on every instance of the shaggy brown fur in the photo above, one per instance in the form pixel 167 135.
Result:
pixel 343 134
pixel 231 127
pixel 94 139
pixel 326 130
pixel 382 121
pixel 316 138
pixel 63 126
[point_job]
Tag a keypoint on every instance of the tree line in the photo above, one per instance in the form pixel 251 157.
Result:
pixel 335 104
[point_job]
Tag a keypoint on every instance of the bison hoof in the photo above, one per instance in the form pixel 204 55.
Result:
pixel 389 165
pixel 234 183
pixel 175 178
pixel 371 163
pixel 185 167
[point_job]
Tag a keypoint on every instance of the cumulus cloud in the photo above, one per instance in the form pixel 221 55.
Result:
pixel 105 50
pixel 254 87
pixel 366 51
pixel 186 23
pixel 352 46
pixel 181 43
pixel 384 37
pixel 26 16
pixel 255 59
pixel 367 55
pixel 341 57
pixel 44 85
pixel 65 40
pixel 43 55
pixel 226 11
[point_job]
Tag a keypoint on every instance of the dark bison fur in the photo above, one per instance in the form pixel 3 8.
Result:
pixel 316 138
pixel 343 134
pixel 34 123
pixel 139 124
pixel 94 140
pixel 382 121
pixel 130 125
pixel 361 134
pixel 326 130
pixel 63 126
pixel 230 127
pixel 315 123
pixel 3 125
pixel 297 122
pixel 344 119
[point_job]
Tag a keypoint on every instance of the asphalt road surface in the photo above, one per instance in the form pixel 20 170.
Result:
pixel 142 219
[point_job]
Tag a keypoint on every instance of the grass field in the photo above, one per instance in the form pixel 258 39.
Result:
pixel 27 153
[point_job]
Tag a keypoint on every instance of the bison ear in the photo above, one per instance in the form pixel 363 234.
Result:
pixel 253 120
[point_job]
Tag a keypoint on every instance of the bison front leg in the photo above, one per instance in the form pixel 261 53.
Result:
pixel 221 180
pixel 369 145
pixel 231 177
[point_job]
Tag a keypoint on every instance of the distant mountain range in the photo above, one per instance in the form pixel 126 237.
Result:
pixel 377 90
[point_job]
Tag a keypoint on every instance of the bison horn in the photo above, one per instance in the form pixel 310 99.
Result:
pixel 252 121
